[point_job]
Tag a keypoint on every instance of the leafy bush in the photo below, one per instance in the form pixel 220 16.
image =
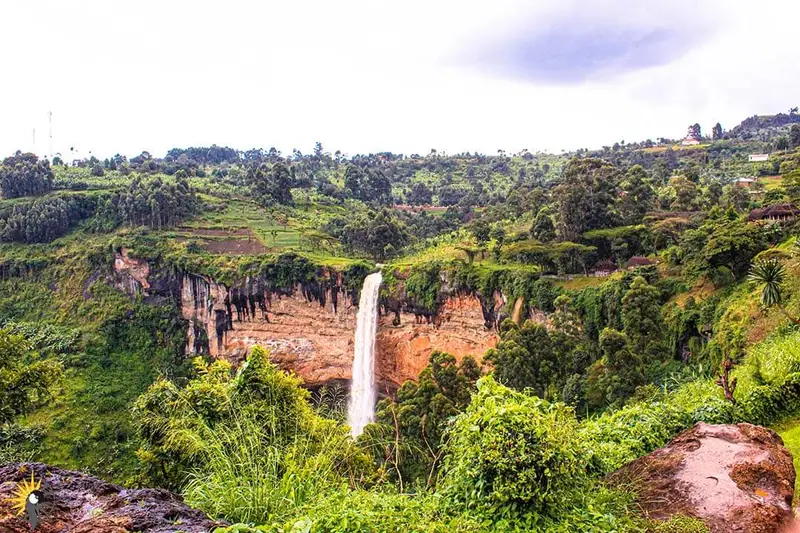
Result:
pixel 514 455
pixel 768 404
pixel 618 437
pixel 423 285
pixel 26 381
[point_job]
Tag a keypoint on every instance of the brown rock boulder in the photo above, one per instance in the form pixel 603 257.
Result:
pixel 735 478
pixel 77 503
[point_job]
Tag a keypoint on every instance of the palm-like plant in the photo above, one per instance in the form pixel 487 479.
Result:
pixel 770 273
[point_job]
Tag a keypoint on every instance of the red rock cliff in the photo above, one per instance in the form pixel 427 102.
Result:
pixel 315 339
pixel 313 335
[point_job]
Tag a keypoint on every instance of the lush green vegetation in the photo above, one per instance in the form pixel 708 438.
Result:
pixel 625 285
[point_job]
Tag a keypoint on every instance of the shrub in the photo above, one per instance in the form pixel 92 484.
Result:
pixel 768 404
pixel 514 455
pixel 618 437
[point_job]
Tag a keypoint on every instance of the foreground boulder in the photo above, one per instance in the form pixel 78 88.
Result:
pixel 77 503
pixel 735 478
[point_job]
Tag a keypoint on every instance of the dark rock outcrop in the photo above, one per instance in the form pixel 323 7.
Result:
pixel 78 503
pixel 735 478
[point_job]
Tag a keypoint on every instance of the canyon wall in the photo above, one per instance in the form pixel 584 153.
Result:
pixel 310 330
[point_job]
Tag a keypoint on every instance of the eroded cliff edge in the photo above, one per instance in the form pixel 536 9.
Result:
pixel 309 327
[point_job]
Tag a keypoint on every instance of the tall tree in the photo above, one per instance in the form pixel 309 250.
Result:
pixel 525 359
pixel 794 135
pixel 585 197
pixel 420 194
pixel 637 196
pixel 716 132
pixel 615 376
pixel 24 175
pixel 409 432
pixel 641 315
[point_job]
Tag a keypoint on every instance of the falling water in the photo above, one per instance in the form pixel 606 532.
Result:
pixel 362 390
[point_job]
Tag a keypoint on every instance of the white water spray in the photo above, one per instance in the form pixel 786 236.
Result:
pixel 361 409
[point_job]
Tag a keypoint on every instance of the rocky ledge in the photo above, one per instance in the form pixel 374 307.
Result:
pixel 735 478
pixel 77 503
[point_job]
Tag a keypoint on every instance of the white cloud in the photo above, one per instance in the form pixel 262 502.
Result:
pixel 359 76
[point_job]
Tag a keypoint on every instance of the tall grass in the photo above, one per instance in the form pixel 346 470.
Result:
pixel 248 476
pixel 770 361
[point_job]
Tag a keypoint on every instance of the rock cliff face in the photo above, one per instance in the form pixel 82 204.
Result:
pixel 403 349
pixel 72 502
pixel 735 478
pixel 310 329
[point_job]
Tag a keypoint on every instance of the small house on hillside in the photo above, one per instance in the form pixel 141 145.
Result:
pixel 758 158
pixel 744 182
pixel 639 261
pixel 690 141
pixel 603 268
pixel 775 212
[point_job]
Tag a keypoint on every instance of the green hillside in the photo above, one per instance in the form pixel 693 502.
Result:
pixel 651 273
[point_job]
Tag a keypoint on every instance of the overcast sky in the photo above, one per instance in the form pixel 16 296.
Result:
pixel 374 75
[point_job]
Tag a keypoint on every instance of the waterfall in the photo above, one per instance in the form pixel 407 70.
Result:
pixel 361 409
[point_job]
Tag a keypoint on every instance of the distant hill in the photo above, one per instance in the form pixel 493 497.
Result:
pixel 758 125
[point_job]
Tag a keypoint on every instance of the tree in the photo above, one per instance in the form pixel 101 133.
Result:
pixel 694 131
pixel 45 219
pixel 615 376
pixel 685 194
pixel 480 228
pixel 770 274
pixel 420 194
pixel 585 197
pixel 791 184
pixel 151 202
pixel 26 380
pixel 543 228
pixel 378 188
pixel 794 135
pixel 724 240
pixel 782 143
pixel 25 175
pixel 525 359
pixel 641 315
pixel 736 197
pixel 353 180
pixel 637 196
pixel 408 432
pixel 370 232
pixel 716 132
pixel 271 184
